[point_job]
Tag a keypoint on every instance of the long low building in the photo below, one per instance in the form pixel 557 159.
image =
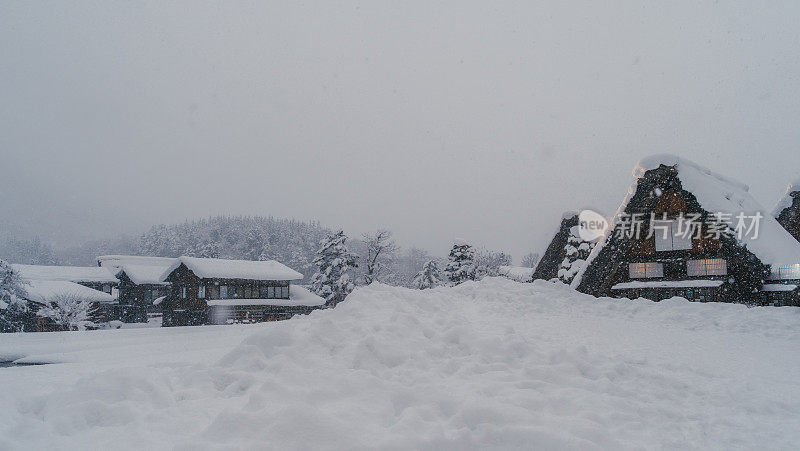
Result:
pixel 94 277
pixel 218 291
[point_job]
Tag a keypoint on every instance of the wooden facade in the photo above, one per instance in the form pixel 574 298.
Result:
pixel 187 303
pixel 136 300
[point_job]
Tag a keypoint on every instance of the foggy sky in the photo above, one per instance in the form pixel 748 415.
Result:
pixel 482 121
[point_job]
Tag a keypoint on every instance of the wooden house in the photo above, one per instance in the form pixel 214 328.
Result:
pixel 217 291
pixel 761 266
pixel 555 253
pixel 139 284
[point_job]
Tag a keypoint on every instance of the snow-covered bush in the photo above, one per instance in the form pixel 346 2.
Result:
pixel 577 250
pixel 334 262
pixel 429 277
pixel 68 311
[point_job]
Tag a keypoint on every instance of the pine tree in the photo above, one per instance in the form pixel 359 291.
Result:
pixel 15 314
pixel 461 264
pixel 429 277
pixel 332 280
pixel 577 250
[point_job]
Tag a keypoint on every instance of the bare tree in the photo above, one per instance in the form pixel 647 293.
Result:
pixel 530 260
pixel 381 252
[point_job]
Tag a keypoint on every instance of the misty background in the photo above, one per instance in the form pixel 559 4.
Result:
pixel 477 120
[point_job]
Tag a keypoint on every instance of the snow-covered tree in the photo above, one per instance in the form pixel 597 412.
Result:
pixel 429 277
pixel 14 311
pixel 379 257
pixel 334 262
pixel 576 252
pixel 68 311
pixel 460 264
pixel 487 263
pixel 530 260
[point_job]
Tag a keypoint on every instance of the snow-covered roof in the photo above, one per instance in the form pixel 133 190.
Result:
pixel 216 268
pixel 518 273
pixel 299 297
pixel 786 200
pixel 667 284
pixel 715 193
pixel 118 261
pixel 65 273
pixel 144 274
pixel 43 290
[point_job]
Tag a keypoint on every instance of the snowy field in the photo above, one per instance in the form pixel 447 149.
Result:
pixel 492 364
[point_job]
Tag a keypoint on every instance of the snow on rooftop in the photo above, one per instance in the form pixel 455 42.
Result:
pixel 786 200
pixel 772 287
pixel 298 297
pixel 118 261
pixel 42 291
pixel 215 268
pixel 518 273
pixel 716 194
pixel 65 273
pixel 144 274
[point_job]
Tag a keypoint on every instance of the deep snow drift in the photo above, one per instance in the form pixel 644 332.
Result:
pixel 492 364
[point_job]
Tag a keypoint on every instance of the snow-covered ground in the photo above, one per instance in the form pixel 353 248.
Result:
pixel 492 364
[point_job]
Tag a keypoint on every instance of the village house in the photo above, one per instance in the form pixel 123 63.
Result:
pixel 139 284
pixel 714 262
pixel 216 291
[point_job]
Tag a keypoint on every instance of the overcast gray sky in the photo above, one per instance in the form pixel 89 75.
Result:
pixel 478 120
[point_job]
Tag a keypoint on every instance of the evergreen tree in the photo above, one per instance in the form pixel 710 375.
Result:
pixel 576 252
pixel 332 280
pixel 15 314
pixel 429 277
pixel 461 264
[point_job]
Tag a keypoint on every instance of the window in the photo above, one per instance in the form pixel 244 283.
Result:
pixel 201 292
pixel 213 292
pixel 262 291
pixel 786 272
pixel 639 270
pixel 107 288
pixel 183 292
pixel 223 292
pixel 707 267
pixel 285 292
pixel 670 236
pixel 271 292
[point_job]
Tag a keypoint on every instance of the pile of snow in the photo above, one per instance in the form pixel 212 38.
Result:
pixel 209 268
pixel 489 364
pixel 43 291
pixel 66 273
pixel 518 273
pixel 298 297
